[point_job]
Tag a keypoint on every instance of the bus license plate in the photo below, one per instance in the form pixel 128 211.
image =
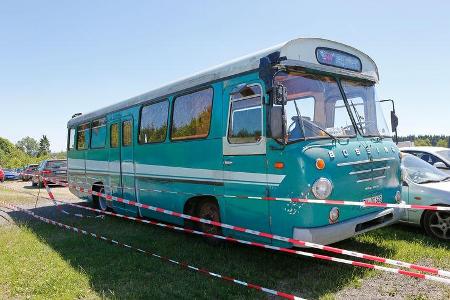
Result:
pixel 374 199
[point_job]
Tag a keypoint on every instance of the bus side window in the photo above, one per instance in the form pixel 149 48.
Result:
pixel 192 115
pixel 245 124
pixel 153 126
pixel 98 133
pixel 82 142
pixel 126 133
pixel 71 138
pixel 114 135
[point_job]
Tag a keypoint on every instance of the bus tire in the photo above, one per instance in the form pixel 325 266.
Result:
pixel 99 202
pixel 209 209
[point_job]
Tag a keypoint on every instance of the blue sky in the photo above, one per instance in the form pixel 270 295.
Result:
pixel 62 57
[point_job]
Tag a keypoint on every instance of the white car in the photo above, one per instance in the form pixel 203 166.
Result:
pixel 424 184
pixel 436 156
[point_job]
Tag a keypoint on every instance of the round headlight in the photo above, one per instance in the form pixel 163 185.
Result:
pixel 334 215
pixel 322 188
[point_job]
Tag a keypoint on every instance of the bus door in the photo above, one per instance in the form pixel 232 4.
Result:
pixel 127 171
pixel 114 186
pixel 244 158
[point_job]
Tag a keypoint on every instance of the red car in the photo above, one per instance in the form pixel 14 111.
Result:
pixel 28 172
pixel 2 175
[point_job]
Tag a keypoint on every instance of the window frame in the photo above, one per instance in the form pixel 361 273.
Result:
pixel 85 130
pixel 175 97
pixel 110 135
pixel 123 131
pixel 261 95
pixel 90 136
pixel 167 120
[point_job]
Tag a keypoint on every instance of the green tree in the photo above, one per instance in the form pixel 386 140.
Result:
pixel 28 145
pixel 442 143
pixel 44 146
pixel 422 142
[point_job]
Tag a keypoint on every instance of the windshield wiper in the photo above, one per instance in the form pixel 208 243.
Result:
pixel 358 116
pixel 430 181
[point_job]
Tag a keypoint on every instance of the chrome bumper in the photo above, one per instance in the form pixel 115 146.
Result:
pixel 337 232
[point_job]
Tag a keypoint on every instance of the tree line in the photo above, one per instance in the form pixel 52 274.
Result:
pixel 26 151
pixel 427 140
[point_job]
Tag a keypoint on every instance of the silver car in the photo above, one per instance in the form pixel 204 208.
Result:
pixel 436 156
pixel 424 184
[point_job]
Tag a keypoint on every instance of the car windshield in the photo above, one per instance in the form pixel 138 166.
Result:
pixel 315 108
pixel 445 154
pixel 56 164
pixel 366 109
pixel 420 171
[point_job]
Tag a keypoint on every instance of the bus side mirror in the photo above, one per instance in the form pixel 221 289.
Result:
pixel 394 121
pixel 276 122
pixel 279 94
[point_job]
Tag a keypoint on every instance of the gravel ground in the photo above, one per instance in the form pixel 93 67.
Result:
pixel 46 206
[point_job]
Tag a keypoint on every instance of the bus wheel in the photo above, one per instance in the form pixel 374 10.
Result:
pixel 100 202
pixel 437 224
pixel 209 210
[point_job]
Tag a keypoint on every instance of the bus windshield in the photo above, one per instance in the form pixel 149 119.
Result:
pixel 366 109
pixel 315 108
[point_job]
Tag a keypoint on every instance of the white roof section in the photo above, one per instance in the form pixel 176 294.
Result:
pixel 429 149
pixel 298 52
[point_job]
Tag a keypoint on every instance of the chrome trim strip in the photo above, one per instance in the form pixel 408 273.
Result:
pixel 360 172
pixel 371 179
pixel 365 161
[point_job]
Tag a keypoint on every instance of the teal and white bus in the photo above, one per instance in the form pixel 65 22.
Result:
pixel 300 119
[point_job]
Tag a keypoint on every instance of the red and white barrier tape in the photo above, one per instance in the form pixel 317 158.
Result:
pixel 305 200
pixel 182 264
pixel 52 197
pixel 268 235
pixel 275 248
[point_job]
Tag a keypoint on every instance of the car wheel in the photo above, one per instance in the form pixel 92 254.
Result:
pixel 100 202
pixel 209 210
pixel 437 224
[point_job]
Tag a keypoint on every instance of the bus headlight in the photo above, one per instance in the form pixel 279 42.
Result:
pixel 322 188
pixel 334 215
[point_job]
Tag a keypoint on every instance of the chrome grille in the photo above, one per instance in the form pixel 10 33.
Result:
pixel 367 170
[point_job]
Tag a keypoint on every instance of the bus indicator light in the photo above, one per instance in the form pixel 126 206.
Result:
pixel 279 165
pixel 320 164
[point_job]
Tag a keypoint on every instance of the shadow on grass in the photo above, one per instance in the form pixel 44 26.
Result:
pixel 120 273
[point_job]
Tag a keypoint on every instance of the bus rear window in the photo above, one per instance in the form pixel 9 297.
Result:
pixel 192 115
pixel 71 138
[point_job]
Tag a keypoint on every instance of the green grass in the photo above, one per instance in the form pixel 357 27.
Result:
pixel 45 262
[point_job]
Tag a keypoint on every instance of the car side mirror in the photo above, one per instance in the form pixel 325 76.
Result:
pixel 279 94
pixel 440 165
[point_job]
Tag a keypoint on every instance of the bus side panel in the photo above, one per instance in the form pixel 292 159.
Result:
pixel 187 166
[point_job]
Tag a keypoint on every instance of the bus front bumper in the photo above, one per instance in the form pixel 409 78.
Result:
pixel 329 234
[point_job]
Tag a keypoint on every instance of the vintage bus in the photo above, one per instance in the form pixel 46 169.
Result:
pixel 301 119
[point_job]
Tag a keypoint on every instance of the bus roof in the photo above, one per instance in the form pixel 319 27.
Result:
pixel 298 52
